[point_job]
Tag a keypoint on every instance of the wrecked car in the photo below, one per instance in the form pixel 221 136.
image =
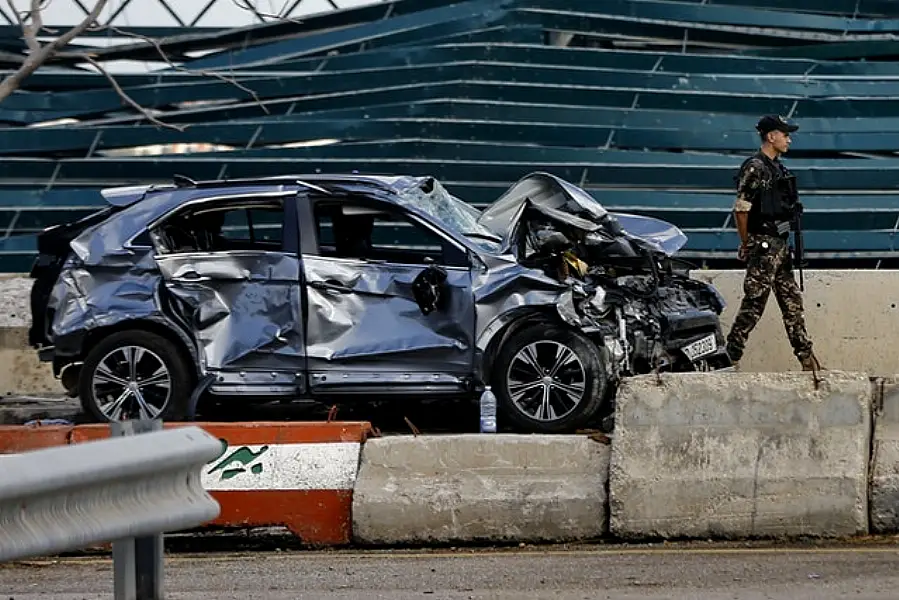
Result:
pixel 345 287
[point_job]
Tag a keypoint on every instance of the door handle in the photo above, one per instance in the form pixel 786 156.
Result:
pixel 331 285
pixel 191 277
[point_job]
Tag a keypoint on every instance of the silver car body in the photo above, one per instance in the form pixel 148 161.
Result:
pixel 286 320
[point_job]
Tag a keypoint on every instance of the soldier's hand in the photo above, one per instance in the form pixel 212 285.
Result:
pixel 742 253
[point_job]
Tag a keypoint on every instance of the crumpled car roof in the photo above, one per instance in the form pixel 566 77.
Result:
pixel 551 195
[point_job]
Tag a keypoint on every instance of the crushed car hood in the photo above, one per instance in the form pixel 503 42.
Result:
pixel 660 235
pixel 562 201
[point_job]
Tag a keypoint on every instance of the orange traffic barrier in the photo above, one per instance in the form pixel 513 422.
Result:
pixel 299 475
pixel 22 438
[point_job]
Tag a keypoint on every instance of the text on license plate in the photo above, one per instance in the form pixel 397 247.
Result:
pixel 701 347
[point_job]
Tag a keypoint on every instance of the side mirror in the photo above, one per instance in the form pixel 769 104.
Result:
pixel 428 288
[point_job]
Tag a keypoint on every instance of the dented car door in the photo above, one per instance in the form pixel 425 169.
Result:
pixel 234 270
pixel 390 304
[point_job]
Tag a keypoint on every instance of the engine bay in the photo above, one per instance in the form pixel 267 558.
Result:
pixel 639 304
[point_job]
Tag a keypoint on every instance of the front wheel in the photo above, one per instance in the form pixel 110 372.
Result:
pixel 134 375
pixel 549 379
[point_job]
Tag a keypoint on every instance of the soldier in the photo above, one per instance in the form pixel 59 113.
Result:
pixel 763 211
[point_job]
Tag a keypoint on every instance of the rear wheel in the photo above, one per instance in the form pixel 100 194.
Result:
pixel 135 375
pixel 549 379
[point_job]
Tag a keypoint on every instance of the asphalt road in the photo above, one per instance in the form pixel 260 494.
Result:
pixel 652 573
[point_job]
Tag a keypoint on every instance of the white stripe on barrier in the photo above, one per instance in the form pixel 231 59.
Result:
pixel 314 466
pixel 291 467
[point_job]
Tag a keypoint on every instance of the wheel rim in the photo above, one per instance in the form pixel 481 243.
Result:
pixel 131 381
pixel 546 380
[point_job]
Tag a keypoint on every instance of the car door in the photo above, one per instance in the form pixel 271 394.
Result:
pixel 389 301
pixel 232 266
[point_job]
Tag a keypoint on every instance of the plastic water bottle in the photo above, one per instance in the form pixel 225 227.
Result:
pixel 488 411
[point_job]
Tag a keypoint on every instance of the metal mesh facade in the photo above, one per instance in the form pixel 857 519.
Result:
pixel 649 105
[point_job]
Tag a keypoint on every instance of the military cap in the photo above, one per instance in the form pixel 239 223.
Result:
pixel 775 123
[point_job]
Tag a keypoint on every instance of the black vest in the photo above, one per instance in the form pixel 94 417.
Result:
pixel 773 202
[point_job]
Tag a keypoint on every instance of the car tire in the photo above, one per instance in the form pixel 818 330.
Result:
pixel 519 387
pixel 160 375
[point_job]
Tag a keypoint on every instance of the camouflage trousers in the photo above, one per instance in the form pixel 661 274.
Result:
pixel 769 265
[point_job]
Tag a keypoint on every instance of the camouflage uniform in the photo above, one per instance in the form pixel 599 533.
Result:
pixel 769 265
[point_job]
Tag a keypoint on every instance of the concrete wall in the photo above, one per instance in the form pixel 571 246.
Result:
pixel 852 317
pixel 21 373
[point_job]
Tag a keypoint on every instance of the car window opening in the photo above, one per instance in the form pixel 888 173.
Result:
pixel 224 228
pixel 351 231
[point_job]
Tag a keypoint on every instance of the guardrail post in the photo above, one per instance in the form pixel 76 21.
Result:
pixel 138 562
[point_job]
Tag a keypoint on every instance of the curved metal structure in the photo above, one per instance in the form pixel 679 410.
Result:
pixel 648 105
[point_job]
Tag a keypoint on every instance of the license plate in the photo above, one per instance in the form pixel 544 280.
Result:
pixel 700 348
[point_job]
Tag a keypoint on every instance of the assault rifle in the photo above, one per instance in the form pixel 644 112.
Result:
pixel 798 248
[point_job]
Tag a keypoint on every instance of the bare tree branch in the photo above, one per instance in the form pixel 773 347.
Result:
pixel 32 31
pixel 40 54
pixel 162 54
pixel 15 12
pixel 31 23
pixel 118 89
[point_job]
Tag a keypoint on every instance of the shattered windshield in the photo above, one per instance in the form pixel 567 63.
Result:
pixel 434 200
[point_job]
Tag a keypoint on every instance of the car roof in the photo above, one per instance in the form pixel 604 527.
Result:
pixel 387 185
pixel 132 207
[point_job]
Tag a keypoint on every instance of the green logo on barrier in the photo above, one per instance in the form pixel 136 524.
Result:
pixel 243 456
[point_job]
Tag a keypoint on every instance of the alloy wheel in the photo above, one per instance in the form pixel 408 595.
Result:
pixel 131 381
pixel 546 380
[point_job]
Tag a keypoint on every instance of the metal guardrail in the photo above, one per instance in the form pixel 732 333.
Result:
pixel 128 490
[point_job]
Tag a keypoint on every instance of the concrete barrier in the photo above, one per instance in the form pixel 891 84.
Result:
pixel 884 487
pixel 476 488
pixel 852 317
pixel 739 455
pixel 296 475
